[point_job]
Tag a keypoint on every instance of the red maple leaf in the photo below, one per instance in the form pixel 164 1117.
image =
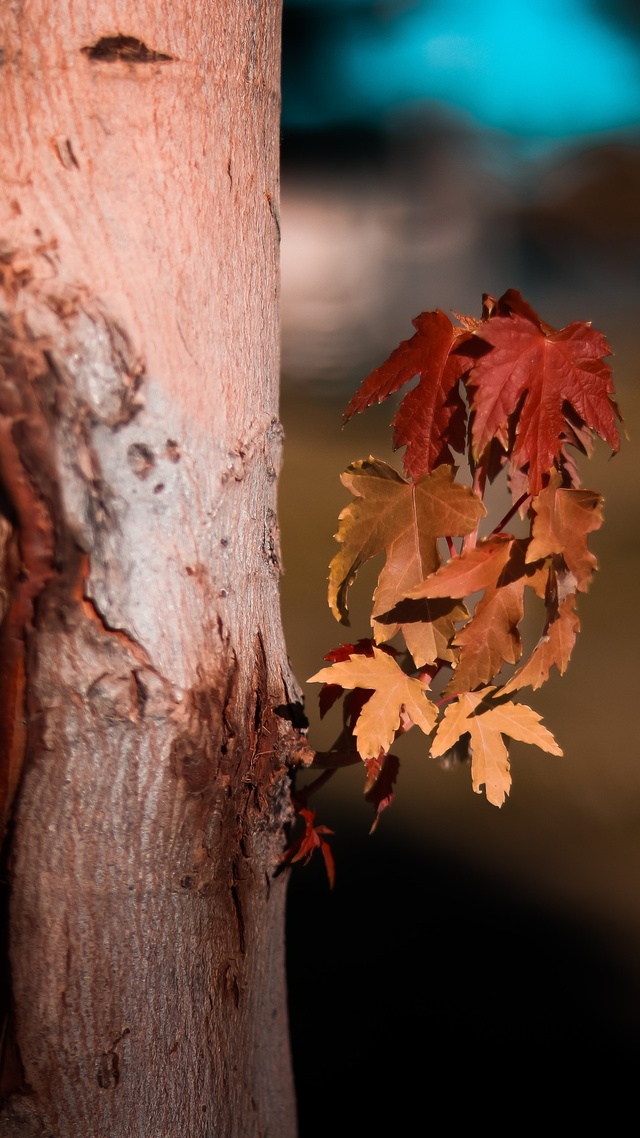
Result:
pixel 311 840
pixel 431 419
pixel 381 777
pixel 363 647
pixel 536 381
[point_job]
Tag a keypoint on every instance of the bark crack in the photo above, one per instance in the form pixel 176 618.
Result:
pixel 92 611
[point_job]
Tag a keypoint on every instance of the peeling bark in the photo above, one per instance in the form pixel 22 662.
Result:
pixel 145 732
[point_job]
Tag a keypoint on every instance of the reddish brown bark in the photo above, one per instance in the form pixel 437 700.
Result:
pixel 144 740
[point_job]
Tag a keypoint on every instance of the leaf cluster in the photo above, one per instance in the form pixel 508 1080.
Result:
pixel 517 399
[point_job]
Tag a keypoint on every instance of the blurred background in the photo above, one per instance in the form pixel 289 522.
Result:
pixel 434 150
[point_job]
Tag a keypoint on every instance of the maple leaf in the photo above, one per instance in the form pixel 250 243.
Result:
pixel 474 569
pixel 492 636
pixel 563 520
pixel 378 788
pixel 537 371
pixel 330 693
pixel 486 721
pixel 311 840
pixel 554 648
pixel 393 691
pixel 430 421
pixel 537 396
pixel 497 566
pixel 403 518
pixel 427 626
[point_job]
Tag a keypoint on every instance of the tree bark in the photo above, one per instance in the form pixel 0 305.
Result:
pixel 146 729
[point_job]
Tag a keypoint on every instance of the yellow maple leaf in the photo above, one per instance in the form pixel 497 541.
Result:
pixel 428 627
pixel 486 721
pixel 393 690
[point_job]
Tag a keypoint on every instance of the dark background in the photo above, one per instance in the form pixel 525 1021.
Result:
pixel 468 958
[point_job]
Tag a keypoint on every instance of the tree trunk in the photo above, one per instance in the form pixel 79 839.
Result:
pixel 145 727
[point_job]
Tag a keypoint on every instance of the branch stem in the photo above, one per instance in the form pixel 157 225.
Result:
pixel 509 514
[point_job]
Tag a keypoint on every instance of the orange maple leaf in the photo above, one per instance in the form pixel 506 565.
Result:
pixel 406 520
pixel 474 569
pixel 491 637
pixel 563 520
pixel 554 648
pixel 486 721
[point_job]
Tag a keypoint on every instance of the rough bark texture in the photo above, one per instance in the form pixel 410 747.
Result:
pixel 146 698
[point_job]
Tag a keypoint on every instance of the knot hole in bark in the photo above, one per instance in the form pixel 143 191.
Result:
pixel 110 49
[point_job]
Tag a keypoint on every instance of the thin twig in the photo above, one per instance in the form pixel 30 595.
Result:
pixel 508 516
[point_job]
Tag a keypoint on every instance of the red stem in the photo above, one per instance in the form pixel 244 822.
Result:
pixel 445 699
pixel 508 516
